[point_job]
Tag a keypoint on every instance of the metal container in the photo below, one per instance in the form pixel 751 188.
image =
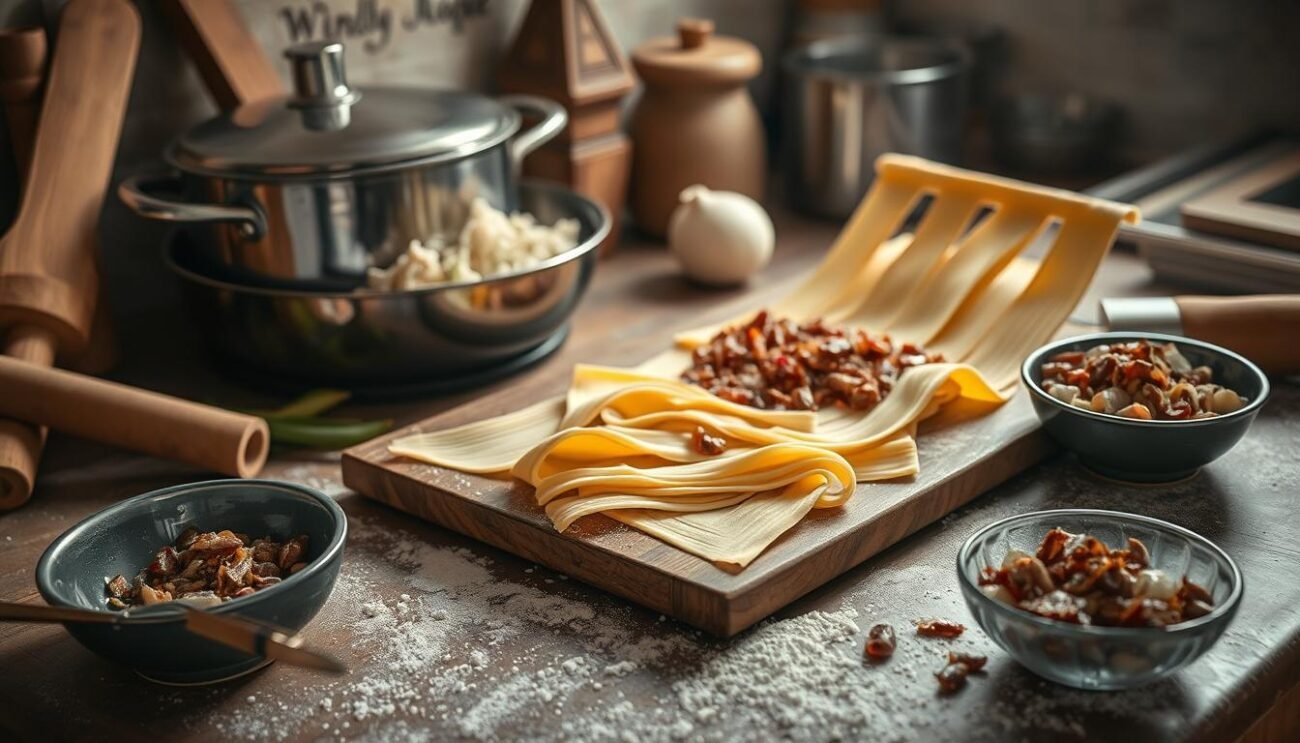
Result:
pixel 1054 135
pixel 387 344
pixel 847 102
pixel 314 188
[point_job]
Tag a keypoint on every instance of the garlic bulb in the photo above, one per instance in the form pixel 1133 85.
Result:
pixel 719 237
pixel 1156 584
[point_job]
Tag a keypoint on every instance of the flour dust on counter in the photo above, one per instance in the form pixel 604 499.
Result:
pixel 433 633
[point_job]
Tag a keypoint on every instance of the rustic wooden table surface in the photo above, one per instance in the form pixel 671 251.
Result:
pixel 450 639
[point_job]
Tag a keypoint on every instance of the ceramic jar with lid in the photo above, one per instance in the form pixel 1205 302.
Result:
pixel 695 122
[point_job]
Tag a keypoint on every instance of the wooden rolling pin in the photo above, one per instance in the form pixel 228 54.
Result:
pixel 1263 328
pixel 139 420
pixel 21 443
pixel 23 53
pixel 233 65
pixel 23 58
pixel 48 277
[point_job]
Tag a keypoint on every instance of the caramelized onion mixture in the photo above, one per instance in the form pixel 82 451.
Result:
pixel 939 628
pixel 880 642
pixel 952 677
pixel 207 568
pixel 1077 578
pixel 1137 380
pixel 778 364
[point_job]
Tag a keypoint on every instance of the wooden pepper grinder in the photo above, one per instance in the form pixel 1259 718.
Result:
pixel 565 52
pixel 696 122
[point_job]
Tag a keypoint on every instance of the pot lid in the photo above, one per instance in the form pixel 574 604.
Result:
pixel 696 56
pixel 328 129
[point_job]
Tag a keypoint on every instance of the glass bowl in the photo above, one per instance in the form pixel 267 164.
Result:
pixel 1092 657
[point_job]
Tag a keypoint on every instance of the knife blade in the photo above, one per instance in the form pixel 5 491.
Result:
pixel 257 638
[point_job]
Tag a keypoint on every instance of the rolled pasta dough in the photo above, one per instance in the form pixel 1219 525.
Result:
pixel 619 442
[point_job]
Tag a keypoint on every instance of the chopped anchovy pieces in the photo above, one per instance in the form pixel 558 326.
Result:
pixel 207 568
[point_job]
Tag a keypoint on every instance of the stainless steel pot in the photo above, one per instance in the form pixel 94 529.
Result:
pixel 387 343
pixel 847 102
pixel 314 188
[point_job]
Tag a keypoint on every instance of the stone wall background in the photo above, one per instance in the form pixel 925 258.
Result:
pixel 1184 71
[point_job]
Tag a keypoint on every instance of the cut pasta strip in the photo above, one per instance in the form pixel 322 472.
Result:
pixel 1063 277
pixel 841 278
pixel 489 446
pixel 758 469
pixel 891 460
pixel 563 512
pixel 983 253
pixel 735 535
pixel 853 265
pixel 598 388
pixel 982 309
pixel 943 224
pixel 601 446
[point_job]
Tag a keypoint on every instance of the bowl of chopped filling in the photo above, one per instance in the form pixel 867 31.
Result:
pixel 1098 599
pixel 1144 408
pixel 265 550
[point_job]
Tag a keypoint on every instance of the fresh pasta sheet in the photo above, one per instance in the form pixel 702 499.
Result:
pixel 957 281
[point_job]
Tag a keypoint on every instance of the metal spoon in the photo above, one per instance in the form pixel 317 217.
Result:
pixel 240 633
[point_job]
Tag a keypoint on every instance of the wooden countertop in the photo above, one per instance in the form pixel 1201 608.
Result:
pixel 450 639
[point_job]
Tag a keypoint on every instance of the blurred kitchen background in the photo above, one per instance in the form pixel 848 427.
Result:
pixel 1178 72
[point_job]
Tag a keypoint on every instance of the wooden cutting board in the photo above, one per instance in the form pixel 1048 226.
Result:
pixel 959 460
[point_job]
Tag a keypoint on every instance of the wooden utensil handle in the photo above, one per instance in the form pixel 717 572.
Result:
pixel 233 65
pixel 23 56
pixel 21 443
pixel 20 454
pixel 11 611
pixel 47 270
pixel 147 422
pixel 1264 329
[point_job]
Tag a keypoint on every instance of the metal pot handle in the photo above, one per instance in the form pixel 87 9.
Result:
pixel 554 119
pixel 134 192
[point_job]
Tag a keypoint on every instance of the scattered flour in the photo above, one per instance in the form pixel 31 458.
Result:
pixel 432 660
pixel 622 668
pixel 312 476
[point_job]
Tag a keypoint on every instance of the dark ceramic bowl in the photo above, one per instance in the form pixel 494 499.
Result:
pixel 1148 451
pixel 123 538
